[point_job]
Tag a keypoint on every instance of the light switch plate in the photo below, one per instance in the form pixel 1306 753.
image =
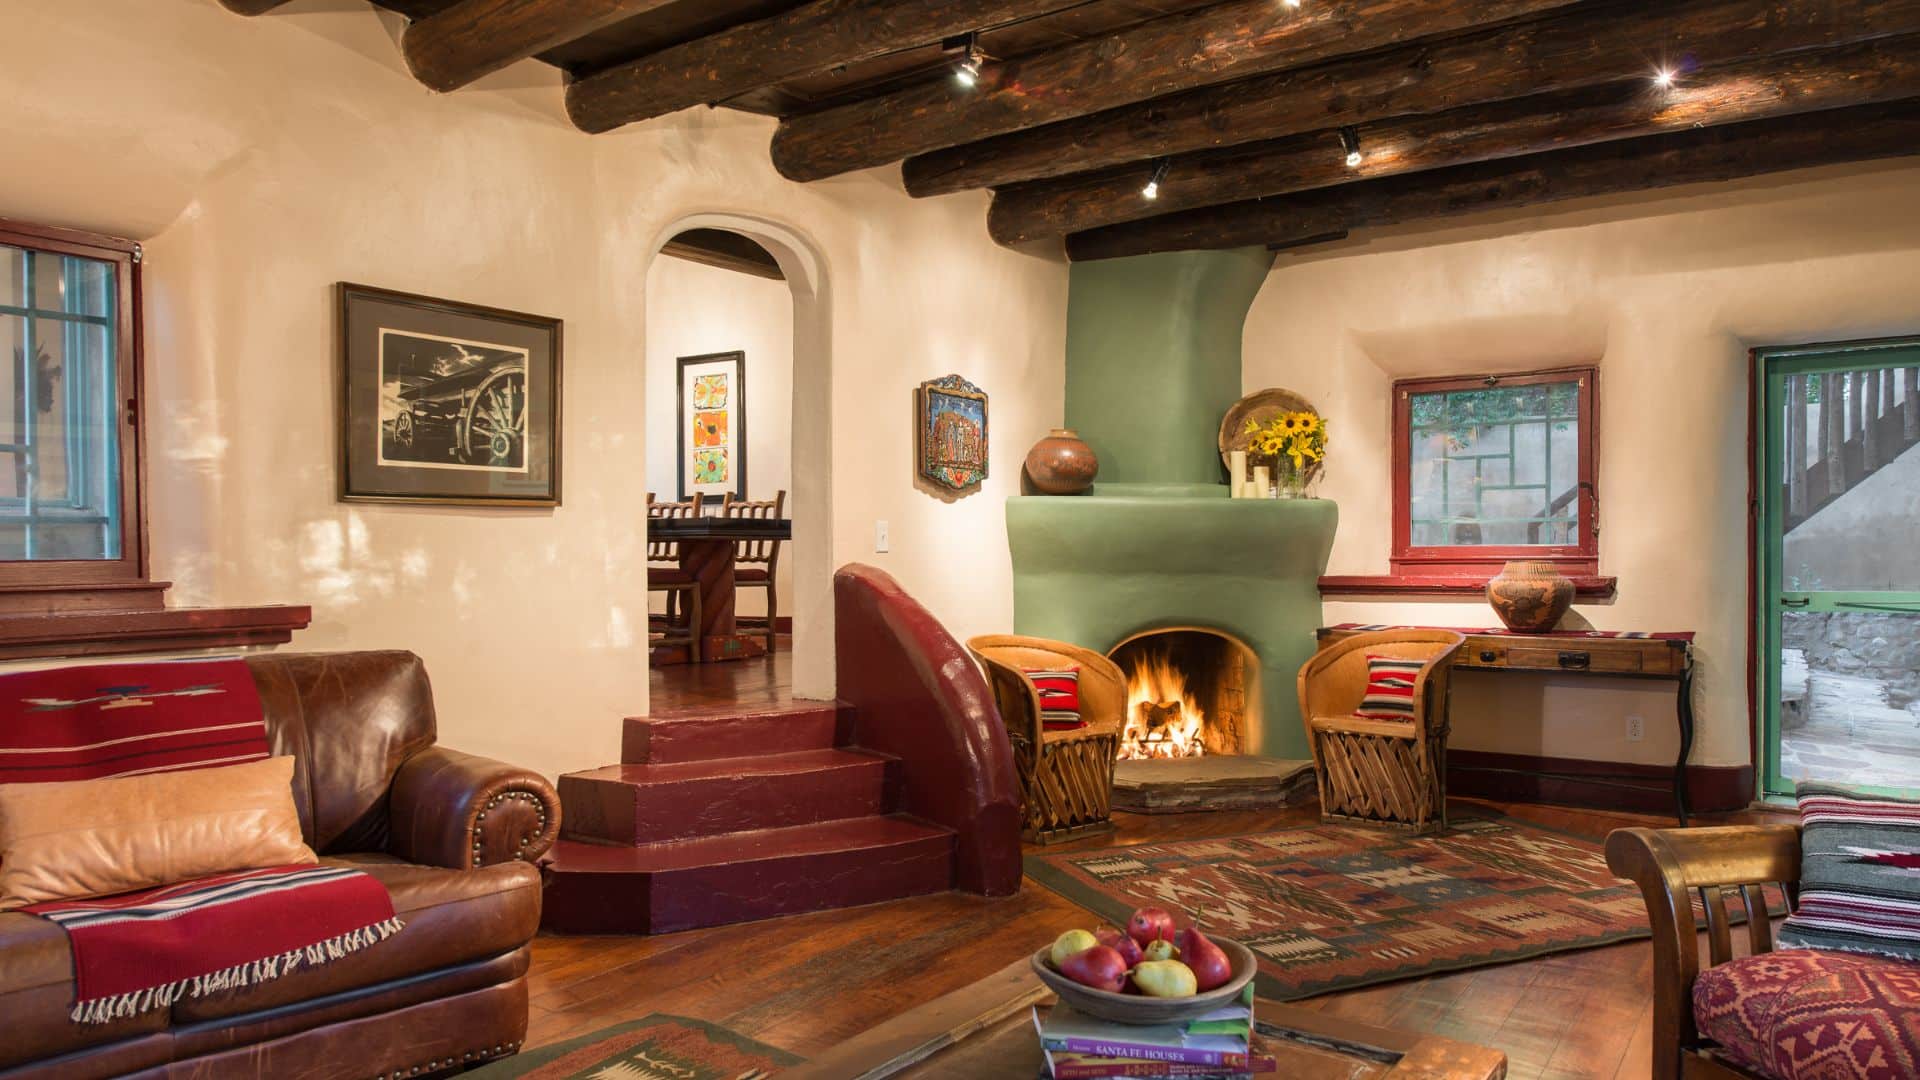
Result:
pixel 880 537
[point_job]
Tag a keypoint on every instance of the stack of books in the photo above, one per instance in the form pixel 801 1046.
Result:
pixel 1219 1044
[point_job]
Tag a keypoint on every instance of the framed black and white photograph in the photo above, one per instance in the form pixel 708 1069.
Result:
pixel 713 425
pixel 444 402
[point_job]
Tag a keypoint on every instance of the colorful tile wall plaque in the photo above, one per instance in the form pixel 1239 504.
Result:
pixel 951 429
pixel 713 425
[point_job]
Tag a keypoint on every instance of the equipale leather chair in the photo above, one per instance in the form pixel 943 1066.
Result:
pixel 1066 777
pixel 1392 771
pixel 452 836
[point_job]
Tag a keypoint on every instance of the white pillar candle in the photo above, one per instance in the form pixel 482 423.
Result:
pixel 1237 473
pixel 1262 482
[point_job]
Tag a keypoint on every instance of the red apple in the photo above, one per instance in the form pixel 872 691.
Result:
pixel 1118 940
pixel 1150 924
pixel 1099 967
pixel 1209 962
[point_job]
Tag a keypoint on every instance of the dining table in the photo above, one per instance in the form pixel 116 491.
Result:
pixel 707 546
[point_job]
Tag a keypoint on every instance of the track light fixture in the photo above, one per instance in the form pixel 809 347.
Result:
pixel 967 71
pixel 1152 190
pixel 1292 3
pixel 1350 142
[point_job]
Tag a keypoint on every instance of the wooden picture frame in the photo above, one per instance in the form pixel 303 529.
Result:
pixel 445 403
pixel 950 432
pixel 711 446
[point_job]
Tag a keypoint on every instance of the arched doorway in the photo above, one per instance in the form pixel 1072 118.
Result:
pixel 794 405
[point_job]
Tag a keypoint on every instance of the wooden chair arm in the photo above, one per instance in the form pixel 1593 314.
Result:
pixel 1668 865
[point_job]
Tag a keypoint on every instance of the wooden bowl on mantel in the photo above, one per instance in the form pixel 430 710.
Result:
pixel 1260 407
pixel 1141 1009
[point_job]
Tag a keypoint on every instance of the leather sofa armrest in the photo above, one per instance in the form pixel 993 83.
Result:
pixel 461 811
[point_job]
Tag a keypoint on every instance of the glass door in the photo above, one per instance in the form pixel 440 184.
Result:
pixel 1839 560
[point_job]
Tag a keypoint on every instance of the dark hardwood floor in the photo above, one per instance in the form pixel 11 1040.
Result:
pixel 807 982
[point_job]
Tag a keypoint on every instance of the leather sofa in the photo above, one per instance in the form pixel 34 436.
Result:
pixel 452 836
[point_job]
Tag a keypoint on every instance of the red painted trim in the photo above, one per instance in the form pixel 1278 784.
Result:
pixel 1710 788
pixel 1578 560
pixel 1585 586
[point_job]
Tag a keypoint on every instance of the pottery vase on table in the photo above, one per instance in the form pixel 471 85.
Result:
pixel 1061 464
pixel 1530 597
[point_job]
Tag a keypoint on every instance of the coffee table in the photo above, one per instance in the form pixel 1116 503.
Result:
pixel 986 1030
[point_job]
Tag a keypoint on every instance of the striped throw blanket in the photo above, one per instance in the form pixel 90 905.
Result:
pixel 143 950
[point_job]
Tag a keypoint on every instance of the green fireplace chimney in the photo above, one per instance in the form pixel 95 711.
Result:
pixel 1153 359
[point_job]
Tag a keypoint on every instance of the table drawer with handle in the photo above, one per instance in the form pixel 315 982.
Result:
pixel 1557 658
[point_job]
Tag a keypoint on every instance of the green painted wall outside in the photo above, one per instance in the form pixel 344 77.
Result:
pixel 1153 359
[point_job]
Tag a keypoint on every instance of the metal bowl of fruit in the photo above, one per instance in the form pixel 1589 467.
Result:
pixel 1116 978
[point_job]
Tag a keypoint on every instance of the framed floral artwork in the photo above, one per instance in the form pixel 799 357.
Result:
pixel 713 425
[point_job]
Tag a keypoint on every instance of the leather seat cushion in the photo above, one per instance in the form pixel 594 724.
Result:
pixel 1797 1014
pixel 669 576
pixel 452 917
pixel 36 992
pixel 749 573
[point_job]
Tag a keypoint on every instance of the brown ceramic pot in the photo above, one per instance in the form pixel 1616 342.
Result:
pixel 1530 597
pixel 1061 464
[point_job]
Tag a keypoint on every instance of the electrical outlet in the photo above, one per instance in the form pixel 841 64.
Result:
pixel 1636 729
pixel 880 537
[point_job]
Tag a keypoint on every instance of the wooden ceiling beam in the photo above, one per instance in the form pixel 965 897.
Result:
pixel 1581 49
pixel 1178 52
pixel 474 38
pixel 752 55
pixel 1861 74
pixel 1732 152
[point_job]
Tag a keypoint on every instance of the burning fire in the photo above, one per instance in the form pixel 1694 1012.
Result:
pixel 1163 719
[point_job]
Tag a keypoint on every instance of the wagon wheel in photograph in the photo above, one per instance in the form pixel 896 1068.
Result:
pixel 403 430
pixel 493 427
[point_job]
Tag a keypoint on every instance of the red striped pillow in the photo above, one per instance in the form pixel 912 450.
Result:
pixel 1389 693
pixel 1059 690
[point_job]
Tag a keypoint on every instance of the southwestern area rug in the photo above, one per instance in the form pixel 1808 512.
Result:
pixel 656 1047
pixel 1332 907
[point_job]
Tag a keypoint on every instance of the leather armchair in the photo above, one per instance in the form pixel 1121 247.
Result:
pixel 452 836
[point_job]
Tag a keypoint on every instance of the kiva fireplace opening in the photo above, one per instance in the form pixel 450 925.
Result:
pixel 1187 695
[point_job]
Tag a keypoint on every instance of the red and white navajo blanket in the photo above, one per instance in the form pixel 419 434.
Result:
pixel 143 950
pixel 87 723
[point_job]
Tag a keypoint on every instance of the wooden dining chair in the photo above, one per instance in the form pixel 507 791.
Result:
pixel 665 575
pixel 755 562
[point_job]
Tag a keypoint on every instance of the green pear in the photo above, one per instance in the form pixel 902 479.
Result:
pixel 1165 979
pixel 1069 943
pixel 1160 949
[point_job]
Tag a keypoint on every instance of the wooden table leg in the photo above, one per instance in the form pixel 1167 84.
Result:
pixel 710 562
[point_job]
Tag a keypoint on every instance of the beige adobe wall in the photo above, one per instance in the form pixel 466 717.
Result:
pixel 695 310
pixel 262 160
pixel 1666 291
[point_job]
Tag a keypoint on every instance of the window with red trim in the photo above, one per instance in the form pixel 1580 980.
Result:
pixel 1491 468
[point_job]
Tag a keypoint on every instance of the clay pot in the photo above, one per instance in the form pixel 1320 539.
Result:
pixel 1061 464
pixel 1530 597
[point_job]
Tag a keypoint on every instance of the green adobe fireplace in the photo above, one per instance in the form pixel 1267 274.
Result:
pixel 1153 363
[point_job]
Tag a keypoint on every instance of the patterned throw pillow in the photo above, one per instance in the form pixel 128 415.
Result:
pixel 1059 690
pixel 1859 873
pixel 1389 688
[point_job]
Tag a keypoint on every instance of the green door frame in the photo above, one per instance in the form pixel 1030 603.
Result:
pixel 1771 368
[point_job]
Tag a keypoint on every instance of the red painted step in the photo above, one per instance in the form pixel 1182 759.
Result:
pixel 712 881
pixel 693 736
pixel 644 804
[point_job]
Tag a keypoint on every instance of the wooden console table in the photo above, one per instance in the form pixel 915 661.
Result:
pixel 1579 652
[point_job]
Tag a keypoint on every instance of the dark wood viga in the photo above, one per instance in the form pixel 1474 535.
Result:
pixel 1671 867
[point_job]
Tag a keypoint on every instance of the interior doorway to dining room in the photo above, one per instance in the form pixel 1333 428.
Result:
pixel 721 445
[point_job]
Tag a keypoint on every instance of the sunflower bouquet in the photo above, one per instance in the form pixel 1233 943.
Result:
pixel 1296 442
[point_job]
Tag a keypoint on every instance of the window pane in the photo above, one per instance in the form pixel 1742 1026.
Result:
pixel 1495 466
pixel 59 430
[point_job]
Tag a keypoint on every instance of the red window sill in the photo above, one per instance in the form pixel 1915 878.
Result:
pixel 1585 586
pixel 109 633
